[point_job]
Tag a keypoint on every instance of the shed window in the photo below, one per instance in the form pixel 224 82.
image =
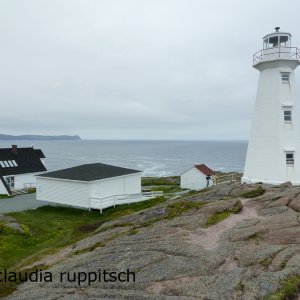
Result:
pixel 287 115
pixel 289 158
pixel 285 77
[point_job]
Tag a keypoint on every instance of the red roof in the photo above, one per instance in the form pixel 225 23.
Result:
pixel 204 169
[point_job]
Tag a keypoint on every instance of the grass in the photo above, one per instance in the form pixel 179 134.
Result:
pixel 177 208
pixel 167 189
pixel 4 196
pixel 289 289
pixel 52 228
pixel 171 180
pixel 220 216
pixel 254 193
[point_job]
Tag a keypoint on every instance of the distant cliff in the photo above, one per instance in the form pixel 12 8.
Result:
pixel 39 137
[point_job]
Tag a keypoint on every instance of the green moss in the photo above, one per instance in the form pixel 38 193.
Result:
pixel 220 216
pixel 257 236
pixel 289 289
pixel 254 193
pixel 177 208
pixel 266 262
pixel 133 231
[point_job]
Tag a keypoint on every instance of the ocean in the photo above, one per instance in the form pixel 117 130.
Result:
pixel 154 158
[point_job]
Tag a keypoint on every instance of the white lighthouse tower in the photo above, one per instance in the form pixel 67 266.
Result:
pixel 273 154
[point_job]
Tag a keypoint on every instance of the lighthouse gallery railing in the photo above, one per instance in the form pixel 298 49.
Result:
pixel 276 53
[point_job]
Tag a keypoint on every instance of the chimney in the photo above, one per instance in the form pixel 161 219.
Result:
pixel 14 149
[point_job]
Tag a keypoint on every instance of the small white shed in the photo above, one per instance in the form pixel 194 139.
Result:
pixel 195 178
pixel 90 186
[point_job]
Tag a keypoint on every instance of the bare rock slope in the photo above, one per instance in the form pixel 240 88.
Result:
pixel 177 252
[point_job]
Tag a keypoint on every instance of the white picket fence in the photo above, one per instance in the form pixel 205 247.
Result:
pixel 102 203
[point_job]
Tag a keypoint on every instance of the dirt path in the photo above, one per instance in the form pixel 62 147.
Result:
pixel 208 238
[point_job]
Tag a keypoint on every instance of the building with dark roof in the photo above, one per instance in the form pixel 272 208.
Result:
pixel 89 186
pixel 18 167
pixel 196 178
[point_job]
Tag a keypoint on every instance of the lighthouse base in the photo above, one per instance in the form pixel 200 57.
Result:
pixel 252 180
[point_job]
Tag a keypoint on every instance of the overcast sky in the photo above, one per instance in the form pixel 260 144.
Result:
pixel 134 69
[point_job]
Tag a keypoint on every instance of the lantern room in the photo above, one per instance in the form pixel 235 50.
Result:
pixel 277 39
pixel 276 45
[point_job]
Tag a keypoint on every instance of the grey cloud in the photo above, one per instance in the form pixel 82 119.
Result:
pixel 169 69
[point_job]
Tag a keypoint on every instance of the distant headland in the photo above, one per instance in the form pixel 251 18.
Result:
pixel 39 137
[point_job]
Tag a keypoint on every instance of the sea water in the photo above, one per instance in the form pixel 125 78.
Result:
pixel 154 158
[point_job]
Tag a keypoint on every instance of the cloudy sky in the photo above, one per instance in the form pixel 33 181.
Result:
pixel 134 69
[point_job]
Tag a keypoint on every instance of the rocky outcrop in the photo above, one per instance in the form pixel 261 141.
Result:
pixel 176 255
pixel 9 224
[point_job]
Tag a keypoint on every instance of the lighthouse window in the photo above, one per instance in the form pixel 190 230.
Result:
pixel 289 158
pixel 287 116
pixel 285 77
pixel 273 41
pixel 284 41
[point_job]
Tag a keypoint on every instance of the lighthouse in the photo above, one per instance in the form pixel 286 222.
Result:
pixel 273 154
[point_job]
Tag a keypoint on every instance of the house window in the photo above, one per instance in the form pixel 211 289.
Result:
pixel 10 181
pixel 289 158
pixel 287 116
pixel 285 77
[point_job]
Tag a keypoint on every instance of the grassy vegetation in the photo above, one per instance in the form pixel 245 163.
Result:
pixel 289 289
pixel 220 216
pixel 177 208
pixel 31 190
pixel 171 180
pixel 50 228
pixel 254 193
pixel 167 189
pixel 3 196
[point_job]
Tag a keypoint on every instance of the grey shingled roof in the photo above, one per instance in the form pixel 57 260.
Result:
pixel 28 160
pixel 89 172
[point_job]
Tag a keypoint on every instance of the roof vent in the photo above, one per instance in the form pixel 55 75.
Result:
pixel 277 28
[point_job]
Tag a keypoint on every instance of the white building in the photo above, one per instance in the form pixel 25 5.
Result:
pixel 273 154
pixel 195 178
pixel 89 186
pixel 18 167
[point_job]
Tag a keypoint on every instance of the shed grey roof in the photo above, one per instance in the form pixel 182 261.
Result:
pixel 89 172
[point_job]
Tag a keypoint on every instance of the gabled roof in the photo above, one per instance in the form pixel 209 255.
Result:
pixel 205 169
pixel 26 160
pixel 89 172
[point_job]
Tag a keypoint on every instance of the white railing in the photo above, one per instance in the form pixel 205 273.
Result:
pixel 29 185
pixel 276 53
pixel 112 201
